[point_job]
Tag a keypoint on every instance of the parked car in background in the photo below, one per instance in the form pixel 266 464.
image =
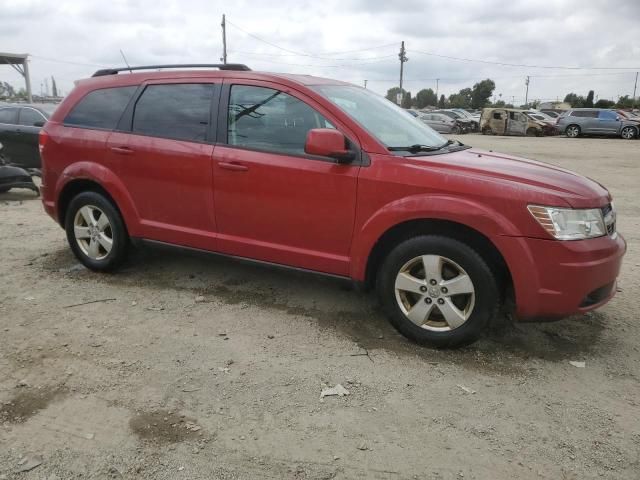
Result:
pixel 597 121
pixel 442 123
pixel 475 117
pixel 466 124
pixel 552 113
pixel 14 177
pixel 322 175
pixel 548 124
pixel 19 129
pixel 509 121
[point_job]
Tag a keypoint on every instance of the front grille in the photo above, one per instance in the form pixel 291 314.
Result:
pixel 609 215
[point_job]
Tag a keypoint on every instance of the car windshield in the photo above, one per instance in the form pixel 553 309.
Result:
pixel 389 123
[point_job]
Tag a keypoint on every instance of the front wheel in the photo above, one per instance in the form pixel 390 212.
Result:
pixel 487 131
pixel 572 131
pixel 96 232
pixel 628 133
pixel 437 291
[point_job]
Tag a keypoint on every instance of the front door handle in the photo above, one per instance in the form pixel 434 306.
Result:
pixel 122 150
pixel 233 166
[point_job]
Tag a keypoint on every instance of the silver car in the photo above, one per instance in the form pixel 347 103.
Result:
pixel 597 121
pixel 440 122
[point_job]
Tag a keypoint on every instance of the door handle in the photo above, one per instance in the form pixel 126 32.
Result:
pixel 122 150
pixel 233 166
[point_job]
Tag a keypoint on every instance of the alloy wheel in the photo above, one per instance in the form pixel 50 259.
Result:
pixel 435 293
pixel 93 233
pixel 573 131
pixel 628 133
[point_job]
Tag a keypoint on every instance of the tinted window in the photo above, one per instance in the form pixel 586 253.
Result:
pixel 100 108
pixel 29 116
pixel 607 115
pixel 585 113
pixel 8 115
pixel 268 119
pixel 180 111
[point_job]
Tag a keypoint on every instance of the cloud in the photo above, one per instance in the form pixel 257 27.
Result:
pixel 89 33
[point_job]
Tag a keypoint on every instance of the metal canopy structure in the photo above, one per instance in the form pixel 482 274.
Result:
pixel 19 62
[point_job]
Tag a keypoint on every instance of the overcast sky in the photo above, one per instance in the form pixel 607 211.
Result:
pixel 70 39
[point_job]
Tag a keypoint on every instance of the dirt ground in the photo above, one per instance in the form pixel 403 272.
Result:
pixel 197 367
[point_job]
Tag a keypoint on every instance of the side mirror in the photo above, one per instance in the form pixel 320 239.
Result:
pixel 38 124
pixel 327 142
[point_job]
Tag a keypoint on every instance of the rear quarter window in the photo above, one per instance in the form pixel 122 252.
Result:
pixel 100 109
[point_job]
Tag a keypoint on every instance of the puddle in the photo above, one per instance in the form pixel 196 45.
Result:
pixel 27 403
pixel 165 427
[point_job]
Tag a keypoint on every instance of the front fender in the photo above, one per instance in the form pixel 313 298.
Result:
pixel 109 181
pixel 479 217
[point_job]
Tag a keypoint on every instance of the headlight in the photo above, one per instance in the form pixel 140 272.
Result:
pixel 570 224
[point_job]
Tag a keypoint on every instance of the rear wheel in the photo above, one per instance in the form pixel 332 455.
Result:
pixel 437 291
pixel 628 133
pixel 96 232
pixel 572 131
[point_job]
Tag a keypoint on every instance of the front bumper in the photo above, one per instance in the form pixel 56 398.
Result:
pixel 555 279
pixel 15 177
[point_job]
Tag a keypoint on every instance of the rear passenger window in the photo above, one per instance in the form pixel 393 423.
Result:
pixel 267 119
pixel 585 113
pixel 101 108
pixel 179 111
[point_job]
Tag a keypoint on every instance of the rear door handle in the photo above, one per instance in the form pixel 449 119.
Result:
pixel 122 150
pixel 233 166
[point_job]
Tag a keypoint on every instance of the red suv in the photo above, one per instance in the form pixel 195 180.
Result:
pixel 326 176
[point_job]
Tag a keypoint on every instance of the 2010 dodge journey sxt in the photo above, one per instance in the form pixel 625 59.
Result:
pixel 326 176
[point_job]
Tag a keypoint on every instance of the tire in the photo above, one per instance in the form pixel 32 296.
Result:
pixel 628 133
pixel 455 130
pixel 487 131
pixel 4 189
pixel 572 131
pixel 85 216
pixel 532 132
pixel 405 266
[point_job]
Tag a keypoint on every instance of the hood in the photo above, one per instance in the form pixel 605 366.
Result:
pixel 542 179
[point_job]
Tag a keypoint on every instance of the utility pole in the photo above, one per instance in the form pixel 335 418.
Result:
pixel 224 40
pixel 403 58
pixel 526 96
pixel 635 87
pixel 365 84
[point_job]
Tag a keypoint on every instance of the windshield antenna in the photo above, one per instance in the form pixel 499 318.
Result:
pixel 125 61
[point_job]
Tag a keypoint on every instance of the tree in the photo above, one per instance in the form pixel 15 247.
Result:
pixel 602 103
pixel 6 90
pixel 406 100
pixel 443 102
pixel 392 94
pixel 589 101
pixel 425 97
pixel 626 102
pixel 462 99
pixel 500 104
pixel 576 101
pixel 481 93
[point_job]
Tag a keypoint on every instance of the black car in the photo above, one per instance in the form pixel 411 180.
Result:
pixel 19 129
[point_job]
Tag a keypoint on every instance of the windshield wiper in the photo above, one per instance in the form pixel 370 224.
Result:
pixel 414 148
pixel 424 148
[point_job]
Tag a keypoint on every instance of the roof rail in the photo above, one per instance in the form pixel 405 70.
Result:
pixel 220 66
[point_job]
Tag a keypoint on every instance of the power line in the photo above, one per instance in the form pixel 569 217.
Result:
pixel 55 60
pixel 504 64
pixel 343 65
pixel 262 54
pixel 306 54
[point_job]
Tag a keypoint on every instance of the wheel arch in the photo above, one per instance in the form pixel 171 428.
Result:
pixel 458 231
pixel 88 176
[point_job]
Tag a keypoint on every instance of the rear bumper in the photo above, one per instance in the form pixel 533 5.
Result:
pixel 555 279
